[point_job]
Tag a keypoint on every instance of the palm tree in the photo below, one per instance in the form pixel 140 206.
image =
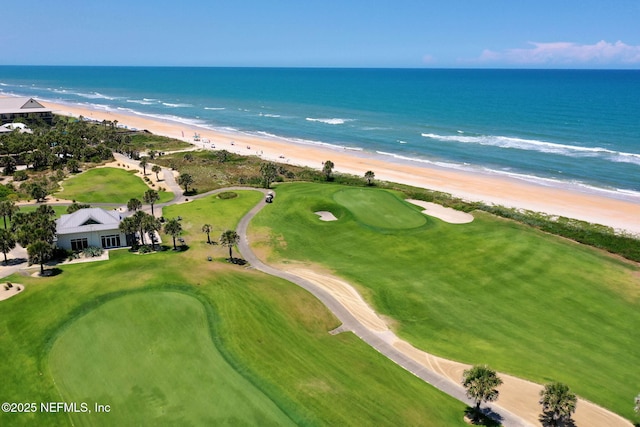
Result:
pixel 480 381
pixel 327 169
pixel 150 225
pixel 369 176
pixel 229 238
pixel 143 165
pixel 134 204
pixel 269 172
pixel 150 197
pixel 138 219
pixel 156 169
pixel 174 228
pixel 185 180
pixel 39 253
pixel 129 227
pixel 207 229
pixel 7 209
pixel 7 243
pixel 558 403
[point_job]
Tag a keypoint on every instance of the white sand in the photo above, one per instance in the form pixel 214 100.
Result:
pixel 449 215
pixel 326 216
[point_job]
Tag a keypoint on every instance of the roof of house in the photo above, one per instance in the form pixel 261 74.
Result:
pixel 21 105
pixel 88 219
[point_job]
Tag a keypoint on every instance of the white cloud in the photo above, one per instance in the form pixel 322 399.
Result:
pixel 566 53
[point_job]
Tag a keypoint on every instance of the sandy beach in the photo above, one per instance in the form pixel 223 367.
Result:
pixel 622 215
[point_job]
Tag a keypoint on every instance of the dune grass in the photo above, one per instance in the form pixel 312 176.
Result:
pixel 491 291
pixel 107 185
pixel 274 334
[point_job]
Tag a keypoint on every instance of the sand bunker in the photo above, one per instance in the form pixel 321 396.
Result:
pixel 449 215
pixel 326 216
pixel 7 292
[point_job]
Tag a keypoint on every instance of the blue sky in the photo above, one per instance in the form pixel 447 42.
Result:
pixel 327 33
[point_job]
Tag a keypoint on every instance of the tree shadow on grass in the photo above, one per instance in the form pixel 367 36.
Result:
pixel 238 261
pixel 50 272
pixel 546 419
pixel 486 417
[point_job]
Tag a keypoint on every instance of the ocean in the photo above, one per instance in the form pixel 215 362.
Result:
pixel 577 129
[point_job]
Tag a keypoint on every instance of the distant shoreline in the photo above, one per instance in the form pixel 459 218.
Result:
pixel 622 215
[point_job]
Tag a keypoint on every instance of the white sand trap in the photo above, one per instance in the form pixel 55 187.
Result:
pixel 326 216
pixel 449 215
pixel 14 290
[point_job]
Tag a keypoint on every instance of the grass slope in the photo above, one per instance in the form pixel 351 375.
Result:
pixel 150 355
pixel 273 333
pixel 492 291
pixel 107 185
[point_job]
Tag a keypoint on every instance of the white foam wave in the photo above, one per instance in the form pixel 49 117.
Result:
pixel 275 116
pixel 215 108
pixel 540 146
pixel 335 121
pixel 92 95
pixel 172 105
pixel 141 102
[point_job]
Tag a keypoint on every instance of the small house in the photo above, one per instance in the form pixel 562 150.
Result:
pixel 90 227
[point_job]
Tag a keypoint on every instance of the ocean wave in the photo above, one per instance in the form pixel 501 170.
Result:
pixel 141 102
pixel 91 95
pixel 335 121
pixel 275 116
pixel 539 146
pixel 215 108
pixel 169 104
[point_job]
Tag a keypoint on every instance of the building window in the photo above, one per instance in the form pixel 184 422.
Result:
pixel 79 244
pixel 112 241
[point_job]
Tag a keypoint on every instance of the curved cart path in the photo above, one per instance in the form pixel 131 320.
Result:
pixel 517 396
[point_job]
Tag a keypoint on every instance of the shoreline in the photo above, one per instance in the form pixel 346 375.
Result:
pixel 620 214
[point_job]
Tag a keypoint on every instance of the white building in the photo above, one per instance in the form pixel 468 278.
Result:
pixel 90 227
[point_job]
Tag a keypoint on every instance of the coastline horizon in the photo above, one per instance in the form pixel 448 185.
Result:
pixel 591 205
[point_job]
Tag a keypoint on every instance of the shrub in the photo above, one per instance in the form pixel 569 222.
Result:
pixel 92 251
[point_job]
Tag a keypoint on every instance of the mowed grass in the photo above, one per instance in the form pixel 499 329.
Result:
pixel 158 364
pixel 491 291
pixel 107 185
pixel 274 334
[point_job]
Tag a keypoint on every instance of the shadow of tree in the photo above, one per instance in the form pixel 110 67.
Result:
pixel 546 419
pixel 486 417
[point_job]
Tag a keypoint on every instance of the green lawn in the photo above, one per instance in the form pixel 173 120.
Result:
pixel 273 334
pixel 106 185
pixel 157 363
pixel 491 291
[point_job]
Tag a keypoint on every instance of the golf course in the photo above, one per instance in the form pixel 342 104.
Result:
pixel 183 337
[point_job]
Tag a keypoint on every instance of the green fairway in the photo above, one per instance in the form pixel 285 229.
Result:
pixel 491 291
pixel 379 209
pixel 107 185
pixel 154 354
pixel 271 333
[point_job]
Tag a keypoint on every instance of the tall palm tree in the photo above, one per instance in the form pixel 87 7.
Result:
pixel 150 197
pixel 129 227
pixel 207 229
pixel 558 403
pixel 327 169
pixel 150 225
pixel 369 176
pixel 156 169
pixel 480 381
pixel 7 209
pixel 7 243
pixel 185 180
pixel 39 253
pixel 229 238
pixel 143 165
pixel 174 228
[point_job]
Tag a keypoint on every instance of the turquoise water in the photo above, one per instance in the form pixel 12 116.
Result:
pixel 569 128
